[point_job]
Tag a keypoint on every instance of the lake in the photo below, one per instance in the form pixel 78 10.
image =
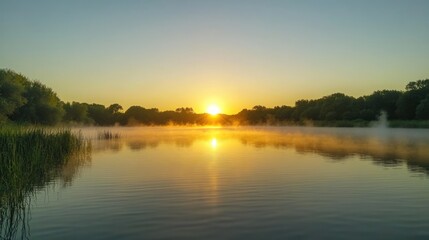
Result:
pixel 240 183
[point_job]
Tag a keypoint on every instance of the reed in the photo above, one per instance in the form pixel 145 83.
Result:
pixel 108 135
pixel 30 158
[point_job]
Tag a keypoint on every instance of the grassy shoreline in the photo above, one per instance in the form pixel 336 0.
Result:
pixel 350 124
pixel 361 123
pixel 30 158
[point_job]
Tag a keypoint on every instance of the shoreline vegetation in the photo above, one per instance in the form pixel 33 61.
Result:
pixel 30 159
pixel 27 103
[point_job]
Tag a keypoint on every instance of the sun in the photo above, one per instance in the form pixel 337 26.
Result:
pixel 213 110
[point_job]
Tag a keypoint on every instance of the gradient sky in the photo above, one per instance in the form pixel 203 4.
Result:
pixel 170 54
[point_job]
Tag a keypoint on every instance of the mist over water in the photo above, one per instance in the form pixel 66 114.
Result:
pixel 376 142
pixel 381 123
pixel 243 183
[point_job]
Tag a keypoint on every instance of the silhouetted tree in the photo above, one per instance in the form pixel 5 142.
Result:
pixel 422 110
pixel 333 107
pixel 22 100
pixel 419 85
pixel 114 108
pixel 137 114
pixel 300 107
pixel 258 115
pixel 408 102
pixel 185 110
pixel 99 114
pixel 384 100
pixel 76 112
pixel 283 113
pixel 115 115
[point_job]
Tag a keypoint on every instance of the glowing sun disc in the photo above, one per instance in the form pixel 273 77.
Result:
pixel 213 110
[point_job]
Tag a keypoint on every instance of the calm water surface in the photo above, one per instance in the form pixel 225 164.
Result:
pixel 242 183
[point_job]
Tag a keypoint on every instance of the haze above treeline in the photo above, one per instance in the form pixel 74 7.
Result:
pixel 23 101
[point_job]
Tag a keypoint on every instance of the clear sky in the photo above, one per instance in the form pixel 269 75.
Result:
pixel 238 54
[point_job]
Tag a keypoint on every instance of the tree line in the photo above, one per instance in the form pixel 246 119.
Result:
pixel 24 101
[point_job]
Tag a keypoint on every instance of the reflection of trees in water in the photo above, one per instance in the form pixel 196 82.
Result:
pixel 140 145
pixel 18 189
pixel 137 144
pixel 114 145
pixel 385 148
pixel 384 151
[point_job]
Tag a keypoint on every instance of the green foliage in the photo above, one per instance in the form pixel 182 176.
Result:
pixel 422 110
pixel 334 106
pixel 42 107
pixel 98 113
pixel 114 108
pixel 115 114
pixel 11 90
pixel 409 124
pixel 258 115
pixel 407 104
pixel 368 114
pixel 24 101
pixel 141 115
pixel 76 112
pixel 283 113
pixel 341 123
pixel 384 100
pixel 418 85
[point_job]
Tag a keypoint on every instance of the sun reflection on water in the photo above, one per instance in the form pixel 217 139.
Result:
pixel 213 143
